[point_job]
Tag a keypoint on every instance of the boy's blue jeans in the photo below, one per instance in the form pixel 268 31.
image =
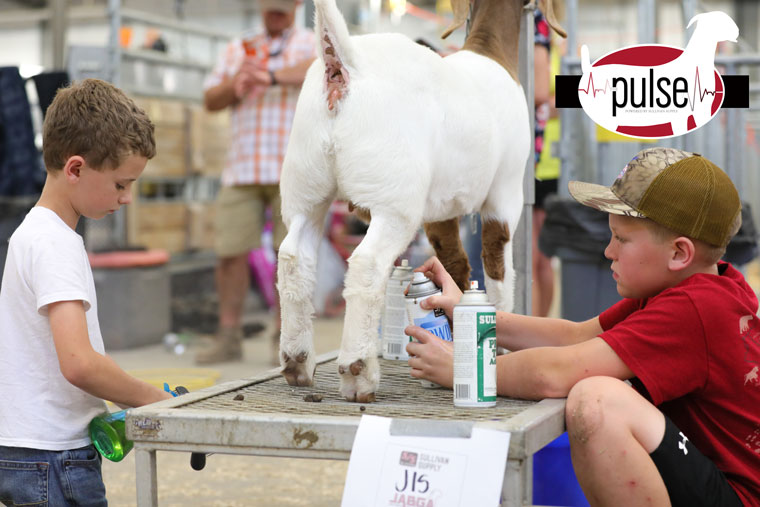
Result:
pixel 51 478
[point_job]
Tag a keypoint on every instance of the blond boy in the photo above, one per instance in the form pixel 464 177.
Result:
pixel 54 374
pixel 659 410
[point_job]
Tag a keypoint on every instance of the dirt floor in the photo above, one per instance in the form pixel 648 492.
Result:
pixel 232 481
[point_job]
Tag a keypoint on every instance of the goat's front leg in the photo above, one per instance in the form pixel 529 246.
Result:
pixel 368 270
pixel 296 279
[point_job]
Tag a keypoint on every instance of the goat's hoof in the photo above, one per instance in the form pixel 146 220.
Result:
pixel 298 370
pixel 359 380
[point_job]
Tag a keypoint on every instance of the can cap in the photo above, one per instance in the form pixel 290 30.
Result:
pixel 421 286
pixel 474 296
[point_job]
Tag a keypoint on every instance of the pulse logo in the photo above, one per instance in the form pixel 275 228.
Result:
pixel 657 91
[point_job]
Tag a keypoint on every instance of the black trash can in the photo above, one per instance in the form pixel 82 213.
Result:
pixel 12 213
pixel 743 247
pixel 578 235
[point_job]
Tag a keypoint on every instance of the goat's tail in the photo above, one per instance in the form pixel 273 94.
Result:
pixel 336 49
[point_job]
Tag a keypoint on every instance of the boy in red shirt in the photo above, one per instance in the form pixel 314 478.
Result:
pixel 685 429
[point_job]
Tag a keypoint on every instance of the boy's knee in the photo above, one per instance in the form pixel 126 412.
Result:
pixel 587 403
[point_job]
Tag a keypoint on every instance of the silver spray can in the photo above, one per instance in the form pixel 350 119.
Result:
pixel 474 350
pixel 394 314
pixel 434 320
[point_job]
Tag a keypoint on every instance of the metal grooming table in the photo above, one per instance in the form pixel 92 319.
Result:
pixel 272 419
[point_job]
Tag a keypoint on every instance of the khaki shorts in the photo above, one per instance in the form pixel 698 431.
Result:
pixel 241 216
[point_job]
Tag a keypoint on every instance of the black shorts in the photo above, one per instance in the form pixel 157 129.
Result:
pixel 690 477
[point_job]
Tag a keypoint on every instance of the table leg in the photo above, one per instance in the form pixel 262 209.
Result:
pixel 517 488
pixel 145 473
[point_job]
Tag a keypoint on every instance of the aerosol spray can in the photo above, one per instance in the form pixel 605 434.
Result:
pixel 474 350
pixel 394 314
pixel 434 320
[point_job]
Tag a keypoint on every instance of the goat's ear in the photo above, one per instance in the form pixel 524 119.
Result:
pixel 461 10
pixel 547 8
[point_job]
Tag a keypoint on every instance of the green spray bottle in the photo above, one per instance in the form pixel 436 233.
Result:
pixel 108 432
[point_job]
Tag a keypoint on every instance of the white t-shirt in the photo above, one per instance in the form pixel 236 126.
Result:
pixel 39 408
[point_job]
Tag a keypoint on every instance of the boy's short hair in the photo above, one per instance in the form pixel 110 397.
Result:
pixel 679 190
pixel 706 253
pixel 96 120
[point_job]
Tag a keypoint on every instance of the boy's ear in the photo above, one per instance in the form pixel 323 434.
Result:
pixel 73 166
pixel 682 254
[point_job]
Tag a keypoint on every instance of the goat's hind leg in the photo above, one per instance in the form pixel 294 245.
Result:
pixel 497 264
pixel 444 237
pixel 296 280
pixel 368 270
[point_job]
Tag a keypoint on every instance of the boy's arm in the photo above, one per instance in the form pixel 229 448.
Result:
pixel 518 332
pixel 550 372
pixel 88 370
pixel 533 373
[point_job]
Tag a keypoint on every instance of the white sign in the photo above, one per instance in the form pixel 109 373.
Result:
pixel 424 471
pixel 656 91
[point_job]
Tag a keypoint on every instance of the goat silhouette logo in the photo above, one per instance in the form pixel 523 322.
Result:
pixel 751 376
pixel 657 91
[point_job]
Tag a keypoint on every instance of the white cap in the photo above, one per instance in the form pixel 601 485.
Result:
pixel 419 277
pixel 277 5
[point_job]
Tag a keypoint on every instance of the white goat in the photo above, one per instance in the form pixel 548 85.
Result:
pixel 412 138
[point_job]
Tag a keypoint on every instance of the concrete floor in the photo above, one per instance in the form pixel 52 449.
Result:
pixel 229 480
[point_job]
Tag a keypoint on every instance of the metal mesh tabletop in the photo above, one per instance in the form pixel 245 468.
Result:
pixel 264 415
pixel 399 395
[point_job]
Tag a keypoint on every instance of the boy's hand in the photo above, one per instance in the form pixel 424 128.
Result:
pixel 431 358
pixel 434 270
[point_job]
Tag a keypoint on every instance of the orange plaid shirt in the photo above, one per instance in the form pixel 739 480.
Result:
pixel 260 125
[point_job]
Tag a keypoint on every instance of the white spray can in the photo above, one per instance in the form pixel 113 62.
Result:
pixel 474 350
pixel 394 314
pixel 434 320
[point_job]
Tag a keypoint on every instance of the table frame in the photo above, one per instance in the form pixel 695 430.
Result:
pixel 165 426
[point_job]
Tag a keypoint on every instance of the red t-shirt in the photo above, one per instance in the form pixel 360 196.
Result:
pixel 695 351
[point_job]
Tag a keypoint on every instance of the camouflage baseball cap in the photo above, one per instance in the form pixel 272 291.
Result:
pixel 682 191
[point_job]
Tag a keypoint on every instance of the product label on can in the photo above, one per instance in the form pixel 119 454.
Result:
pixel 436 322
pixel 394 321
pixel 474 357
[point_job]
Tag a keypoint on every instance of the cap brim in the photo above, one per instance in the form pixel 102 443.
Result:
pixel 601 198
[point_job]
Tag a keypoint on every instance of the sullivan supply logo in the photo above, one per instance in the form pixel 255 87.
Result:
pixel 656 91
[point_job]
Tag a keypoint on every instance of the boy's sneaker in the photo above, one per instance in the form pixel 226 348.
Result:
pixel 226 346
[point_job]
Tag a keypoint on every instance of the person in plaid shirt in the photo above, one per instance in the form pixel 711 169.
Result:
pixel 259 77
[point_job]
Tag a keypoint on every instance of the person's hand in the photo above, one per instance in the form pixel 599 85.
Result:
pixel 434 270
pixel 251 78
pixel 431 358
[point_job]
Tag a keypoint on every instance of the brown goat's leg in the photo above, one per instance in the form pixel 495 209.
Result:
pixel 497 264
pixel 495 236
pixel 444 236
